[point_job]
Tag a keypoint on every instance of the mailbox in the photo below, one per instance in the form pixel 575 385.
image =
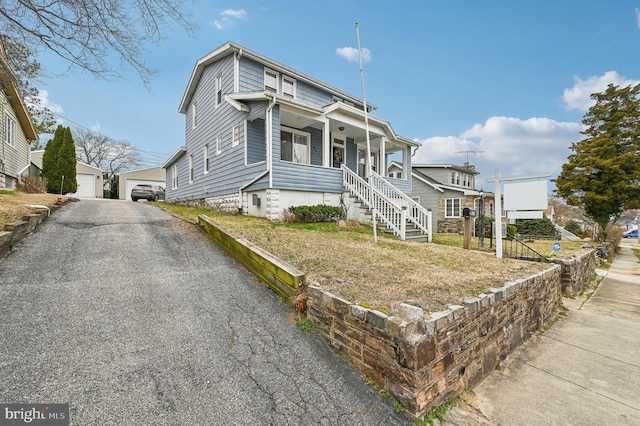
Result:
pixel 467 212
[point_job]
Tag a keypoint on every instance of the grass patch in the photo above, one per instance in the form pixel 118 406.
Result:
pixel 436 414
pixel 306 325
pixel 13 204
pixel 346 262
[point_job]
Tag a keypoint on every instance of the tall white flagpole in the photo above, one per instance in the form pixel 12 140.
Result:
pixel 366 126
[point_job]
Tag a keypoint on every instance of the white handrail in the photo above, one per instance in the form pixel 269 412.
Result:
pixel 394 206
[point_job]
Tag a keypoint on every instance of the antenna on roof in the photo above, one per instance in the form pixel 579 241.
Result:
pixel 471 151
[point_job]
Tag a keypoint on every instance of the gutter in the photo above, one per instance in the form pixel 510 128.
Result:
pixel 269 152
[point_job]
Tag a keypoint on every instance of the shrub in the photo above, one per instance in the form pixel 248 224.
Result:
pixel 315 214
pixel 542 227
pixel 33 185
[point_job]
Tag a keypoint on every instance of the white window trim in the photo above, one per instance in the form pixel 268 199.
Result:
pixel 219 145
pixel 205 159
pixel 294 83
pixel 300 133
pixel 191 168
pixel 277 77
pixel 194 118
pixel 343 145
pixel 9 130
pixel 174 176
pixel 235 134
pixel 453 209
pixel 218 94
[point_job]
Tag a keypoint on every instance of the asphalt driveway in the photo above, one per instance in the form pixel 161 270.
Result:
pixel 135 318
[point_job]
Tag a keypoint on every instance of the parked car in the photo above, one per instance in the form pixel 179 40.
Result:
pixel 631 234
pixel 147 192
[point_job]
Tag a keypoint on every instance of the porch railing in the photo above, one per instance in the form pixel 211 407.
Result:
pixel 394 207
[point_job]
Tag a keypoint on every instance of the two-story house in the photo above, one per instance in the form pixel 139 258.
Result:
pixel 16 131
pixel 261 137
pixel 446 189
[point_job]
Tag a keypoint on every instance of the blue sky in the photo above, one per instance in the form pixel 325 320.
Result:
pixel 509 78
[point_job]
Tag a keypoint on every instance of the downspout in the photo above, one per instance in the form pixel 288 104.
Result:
pixel 269 156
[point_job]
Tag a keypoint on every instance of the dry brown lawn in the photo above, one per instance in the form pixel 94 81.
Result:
pixel 13 204
pixel 346 262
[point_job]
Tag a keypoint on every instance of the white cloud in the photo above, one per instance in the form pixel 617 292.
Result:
pixel 43 96
pixel 638 17
pixel 506 144
pixel 228 18
pixel 579 96
pixel 351 54
pixel 95 128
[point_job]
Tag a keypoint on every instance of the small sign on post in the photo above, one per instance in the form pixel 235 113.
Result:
pixel 555 248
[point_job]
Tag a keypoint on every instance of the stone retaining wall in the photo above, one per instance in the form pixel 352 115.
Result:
pixel 426 360
pixel 577 271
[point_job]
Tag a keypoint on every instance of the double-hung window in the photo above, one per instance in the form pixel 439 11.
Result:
pixel 452 207
pixel 270 80
pixel 295 146
pixel 205 157
pixel 9 130
pixel 174 176
pixel 236 135
pixel 218 90
pixel 288 86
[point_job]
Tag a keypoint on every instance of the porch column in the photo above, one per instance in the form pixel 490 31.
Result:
pixel 406 166
pixel 326 145
pixel 383 157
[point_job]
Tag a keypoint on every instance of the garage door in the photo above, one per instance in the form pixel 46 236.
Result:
pixel 86 185
pixel 133 182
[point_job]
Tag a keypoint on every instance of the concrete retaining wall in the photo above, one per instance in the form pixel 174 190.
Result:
pixel 284 279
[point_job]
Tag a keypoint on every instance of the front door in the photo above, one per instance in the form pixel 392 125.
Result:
pixel 338 152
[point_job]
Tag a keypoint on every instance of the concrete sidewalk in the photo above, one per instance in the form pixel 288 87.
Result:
pixel 584 370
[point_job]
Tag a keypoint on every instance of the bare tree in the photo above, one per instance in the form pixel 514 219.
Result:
pixel 87 32
pixel 110 156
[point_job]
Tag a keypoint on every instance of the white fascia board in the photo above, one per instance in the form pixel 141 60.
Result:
pixel 181 151
pixel 236 104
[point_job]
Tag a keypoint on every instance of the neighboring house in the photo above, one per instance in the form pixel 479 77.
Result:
pixel 16 131
pixel 261 137
pixel 150 175
pixel 446 190
pixel 89 178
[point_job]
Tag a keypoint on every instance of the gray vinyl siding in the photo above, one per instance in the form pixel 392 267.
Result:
pixel 256 146
pixel 227 171
pixel 252 79
pixel 428 198
pixel 301 177
pixel 15 157
pixel 352 154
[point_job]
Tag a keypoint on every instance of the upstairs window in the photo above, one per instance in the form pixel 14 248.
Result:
pixel 288 86
pixel 236 134
pixel 194 116
pixel 205 155
pixel 219 145
pixel 218 90
pixel 271 80
pixel 9 130
pixel 191 169
pixel 294 146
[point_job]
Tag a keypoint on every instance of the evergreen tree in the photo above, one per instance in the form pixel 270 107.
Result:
pixel 50 161
pixel 603 174
pixel 67 163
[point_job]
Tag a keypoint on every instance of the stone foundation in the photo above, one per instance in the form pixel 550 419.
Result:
pixel 426 360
